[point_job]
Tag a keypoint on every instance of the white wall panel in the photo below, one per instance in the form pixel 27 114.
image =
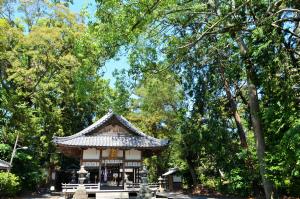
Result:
pixel 133 155
pixel 105 153
pixel 91 154
pixel 120 153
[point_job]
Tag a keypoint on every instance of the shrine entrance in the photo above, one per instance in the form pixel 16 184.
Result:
pixel 111 175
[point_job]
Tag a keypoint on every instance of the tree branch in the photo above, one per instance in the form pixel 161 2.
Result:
pixel 286 30
pixel 208 30
pixel 288 10
pixel 149 11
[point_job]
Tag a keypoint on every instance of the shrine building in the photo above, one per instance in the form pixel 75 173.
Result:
pixel 111 148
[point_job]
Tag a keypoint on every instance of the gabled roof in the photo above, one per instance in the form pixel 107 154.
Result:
pixel 85 138
pixel 170 171
pixel 4 164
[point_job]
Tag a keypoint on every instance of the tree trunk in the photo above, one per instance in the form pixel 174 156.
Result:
pixel 193 173
pixel 255 117
pixel 233 109
pixel 259 136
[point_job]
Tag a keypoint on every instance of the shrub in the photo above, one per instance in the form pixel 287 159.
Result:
pixel 9 184
pixel 30 172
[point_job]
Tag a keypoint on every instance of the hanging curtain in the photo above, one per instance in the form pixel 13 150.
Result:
pixel 105 174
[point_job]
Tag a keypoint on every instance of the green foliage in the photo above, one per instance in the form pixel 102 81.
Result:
pixel 27 168
pixel 286 173
pixel 193 65
pixel 50 84
pixel 9 184
pixel 5 152
pixel 121 95
pixel 239 182
pixel 217 51
pixel 155 104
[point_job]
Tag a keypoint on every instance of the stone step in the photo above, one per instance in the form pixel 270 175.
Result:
pixel 112 195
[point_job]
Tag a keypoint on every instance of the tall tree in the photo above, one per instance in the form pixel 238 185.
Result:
pixel 251 34
pixel 50 83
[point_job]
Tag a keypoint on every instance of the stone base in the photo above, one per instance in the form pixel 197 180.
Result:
pixel 112 195
pixel 144 193
pixel 80 193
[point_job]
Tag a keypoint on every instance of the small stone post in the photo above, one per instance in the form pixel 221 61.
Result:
pixel 80 193
pixel 125 181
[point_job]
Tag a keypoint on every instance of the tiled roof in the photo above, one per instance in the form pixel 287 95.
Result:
pixel 170 172
pixel 114 141
pixel 4 164
pixel 138 139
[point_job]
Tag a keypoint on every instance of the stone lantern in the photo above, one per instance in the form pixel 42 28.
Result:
pixel 82 173
pixel 144 175
pixel 160 180
pixel 80 192
pixel 144 192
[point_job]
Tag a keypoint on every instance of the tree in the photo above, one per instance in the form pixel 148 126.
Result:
pixel 229 50
pixel 157 98
pixel 50 84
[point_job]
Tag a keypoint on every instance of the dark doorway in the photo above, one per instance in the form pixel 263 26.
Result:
pixel 111 176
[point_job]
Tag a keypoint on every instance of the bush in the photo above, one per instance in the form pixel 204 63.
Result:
pixel 29 170
pixel 9 184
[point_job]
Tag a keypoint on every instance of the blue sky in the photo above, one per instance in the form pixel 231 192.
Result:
pixel 79 4
pixel 113 64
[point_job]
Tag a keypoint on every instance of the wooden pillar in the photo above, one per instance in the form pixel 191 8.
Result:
pixel 143 153
pixel 123 168
pixel 138 174
pixel 170 182
pixel 118 179
pixel 81 157
pixel 134 174
pixel 100 168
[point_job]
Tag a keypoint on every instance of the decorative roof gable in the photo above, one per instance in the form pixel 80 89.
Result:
pixel 111 130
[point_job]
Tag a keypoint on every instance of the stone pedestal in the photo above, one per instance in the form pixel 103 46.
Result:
pixel 80 193
pixel 144 192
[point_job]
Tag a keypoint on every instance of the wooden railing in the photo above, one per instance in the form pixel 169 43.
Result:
pixel 69 189
pixel 130 185
pixel 73 187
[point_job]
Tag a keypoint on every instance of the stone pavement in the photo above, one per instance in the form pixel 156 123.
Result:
pixel 42 196
pixel 183 196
